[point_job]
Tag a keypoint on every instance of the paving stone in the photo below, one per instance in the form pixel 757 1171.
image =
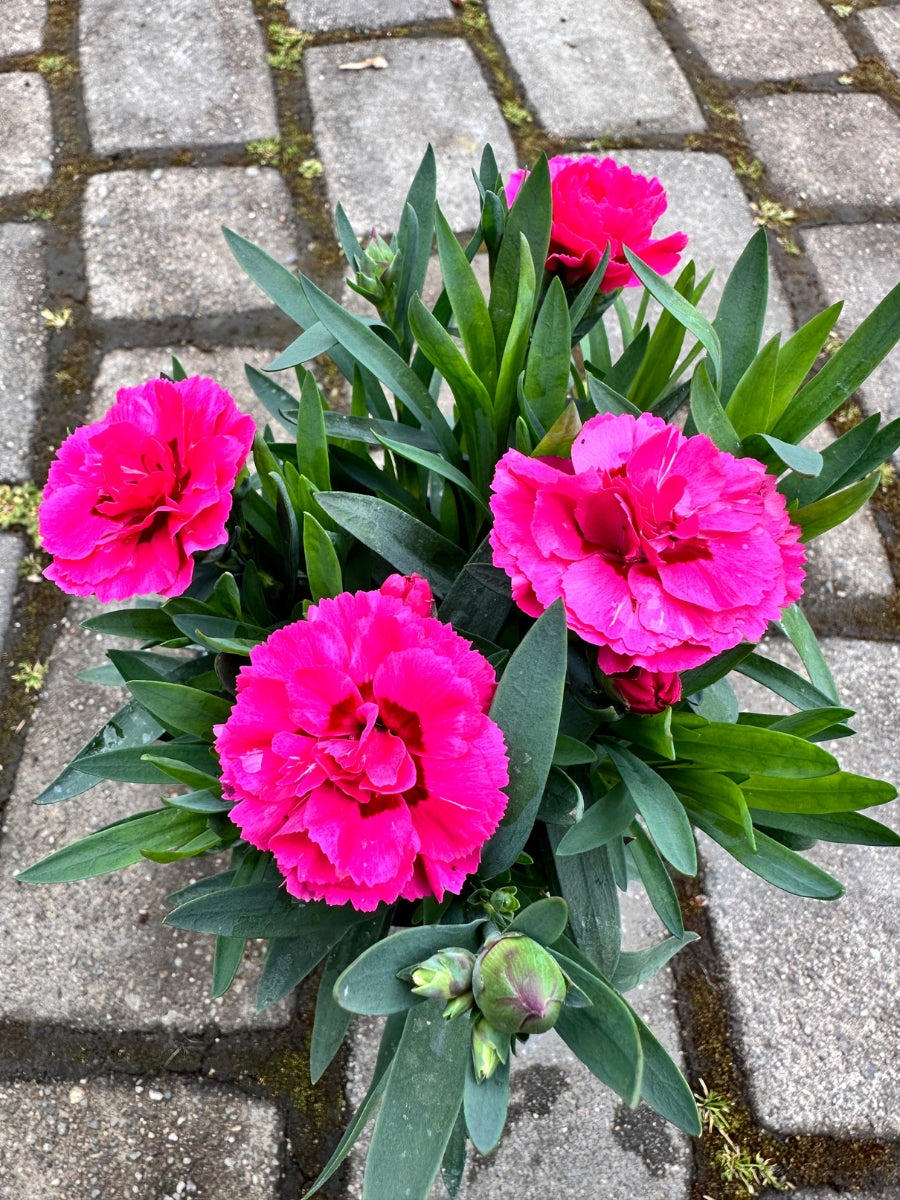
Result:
pixel 741 39
pixel 174 73
pixel 601 67
pixel 22 27
pixel 567 1134
pixel 891 1193
pixel 826 150
pixel 11 549
pixel 883 26
pixel 371 128
pixel 154 246
pixel 95 953
pixel 860 264
pixel 321 16
pixel 26 142
pixel 130 368
pixel 23 337
pixel 814 984
pixel 113 1139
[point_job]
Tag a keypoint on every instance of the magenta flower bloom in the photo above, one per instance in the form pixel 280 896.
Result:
pixel 360 751
pixel 130 498
pixel 665 549
pixel 598 203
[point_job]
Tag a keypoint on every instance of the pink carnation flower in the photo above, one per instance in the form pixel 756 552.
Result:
pixel 360 752
pixel 130 498
pixel 598 203
pixel 665 549
pixel 645 692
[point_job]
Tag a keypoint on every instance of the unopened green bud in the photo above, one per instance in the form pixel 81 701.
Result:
pixel 457 1006
pixel 490 1048
pixel 445 975
pixel 518 986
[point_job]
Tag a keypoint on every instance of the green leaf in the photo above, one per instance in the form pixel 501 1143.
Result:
pixel 279 402
pixel 529 221
pixel 606 819
pixel 527 707
pixel 742 312
pixel 116 846
pixel 699 678
pixel 624 370
pixel 485 1105
pixel 680 308
pixel 181 709
pixel 323 569
pixel 390 1039
pixel 709 416
pixel 366 429
pixel 544 921
pixel 637 966
pixel 800 459
pixel 660 807
pixel 147 624
pixel 258 910
pixel 719 794
pixel 469 305
pixel 839 792
pixel 204 801
pixel 604 1036
pixel 653 733
pixel 848 827
pixel 840 460
pixel 582 307
pixel 440 467
pixel 716 702
pixel 771 861
pixel 798 629
pixel 605 399
pixel 371 352
pixel 743 748
pixel 796 357
pixel 562 433
pixel 279 284
pixel 407 544
pixel 589 888
pixel 663 1086
pixel 515 345
pixel 656 881
pixel 309 345
pixel 453 1164
pixel 822 515
pixel 662 349
pixel 312 444
pixel 370 984
pixel 330 1021
pixel 856 359
pixel 805 724
pixel 783 682
pixel 480 596
pixel 420 1105
pixel 289 960
pixel 570 752
pixel 547 367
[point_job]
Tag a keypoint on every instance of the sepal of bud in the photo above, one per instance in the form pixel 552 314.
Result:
pixel 457 1006
pixel 445 975
pixel 518 986
pixel 490 1048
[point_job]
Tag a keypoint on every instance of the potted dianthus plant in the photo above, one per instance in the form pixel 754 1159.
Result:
pixel 426 687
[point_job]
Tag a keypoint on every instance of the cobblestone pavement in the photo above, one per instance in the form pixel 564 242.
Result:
pixel 129 132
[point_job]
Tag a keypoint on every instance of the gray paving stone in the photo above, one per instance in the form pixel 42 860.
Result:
pixel 371 128
pixel 11 550
pixel 95 954
pixel 130 368
pixel 174 73
pixel 321 16
pixel 891 1193
pixel 883 26
pixel 26 142
pixel 22 27
pixel 113 1139
pixel 154 246
pixel 860 264
pixel 567 1134
pixel 814 984
pixel 602 67
pixel 826 150
pixel 743 40
pixel 23 337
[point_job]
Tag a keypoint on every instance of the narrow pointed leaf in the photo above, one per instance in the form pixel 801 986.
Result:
pixel 655 878
pixel 661 809
pixel 607 818
pixel 485 1105
pixel 637 966
pixel 742 311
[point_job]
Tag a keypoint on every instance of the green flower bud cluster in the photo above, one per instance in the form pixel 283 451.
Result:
pixel 516 985
pixel 377 272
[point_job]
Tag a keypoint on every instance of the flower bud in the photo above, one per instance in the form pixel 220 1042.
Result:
pixel 445 975
pixel 490 1048
pixel 645 692
pixel 457 1006
pixel 518 986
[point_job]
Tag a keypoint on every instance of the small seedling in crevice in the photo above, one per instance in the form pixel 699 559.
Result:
pixel 748 170
pixel 289 46
pixel 737 1166
pixel 842 10
pixel 772 214
pixel 310 168
pixel 56 66
pixel 18 507
pixel 517 114
pixel 57 320
pixel 474 16
pixel 40 214
pixel 31 569
pixel 31 675
pixel 715 1111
